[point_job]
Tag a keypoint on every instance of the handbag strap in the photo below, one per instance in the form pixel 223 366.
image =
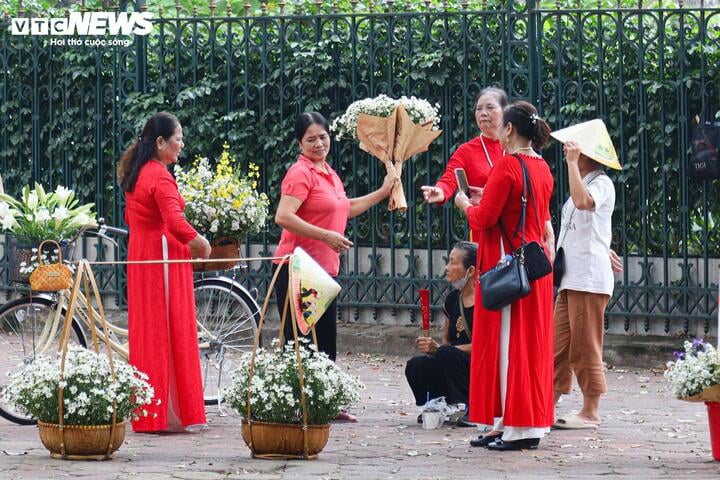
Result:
pixel 40 248
pixel 572 213
pixel 523 199
pixel 468 327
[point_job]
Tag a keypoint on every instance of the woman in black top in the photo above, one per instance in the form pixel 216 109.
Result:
pixel 443 370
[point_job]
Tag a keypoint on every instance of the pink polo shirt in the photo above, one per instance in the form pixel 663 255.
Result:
pixel 324 204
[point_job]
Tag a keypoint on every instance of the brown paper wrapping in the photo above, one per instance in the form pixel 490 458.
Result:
pixel 710 394
pixel 393 140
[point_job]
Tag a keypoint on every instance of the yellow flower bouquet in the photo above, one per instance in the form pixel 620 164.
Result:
pixel 221 202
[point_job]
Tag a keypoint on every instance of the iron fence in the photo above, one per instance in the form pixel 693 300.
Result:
pixel 68 111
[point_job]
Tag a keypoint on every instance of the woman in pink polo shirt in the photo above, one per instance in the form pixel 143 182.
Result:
pixel 313 213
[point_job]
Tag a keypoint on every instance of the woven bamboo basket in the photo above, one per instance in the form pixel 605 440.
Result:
pixel 82 442
pixel 278 440
pixel 221 248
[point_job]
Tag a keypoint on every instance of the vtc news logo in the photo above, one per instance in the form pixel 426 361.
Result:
pixel 88 23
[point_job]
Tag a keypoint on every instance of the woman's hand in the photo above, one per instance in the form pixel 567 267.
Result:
pixel 476 194
pixel 336 241
pixel 199 247
pixel 432 194
pixel 572 152
pixel 388 184
pixel 462 202
pixel 426 345
pixel 616 262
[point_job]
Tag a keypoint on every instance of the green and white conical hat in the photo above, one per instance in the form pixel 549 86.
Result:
pixel 313 289
pixel 594 141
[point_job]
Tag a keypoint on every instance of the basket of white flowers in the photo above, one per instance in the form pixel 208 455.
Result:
pixel 287 396
pixel 268 396
pixel 695 377
pixel 80 397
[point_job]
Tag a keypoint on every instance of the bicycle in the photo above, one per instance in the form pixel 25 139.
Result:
pixel 227 318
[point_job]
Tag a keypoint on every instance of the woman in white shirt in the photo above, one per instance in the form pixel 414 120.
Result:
pixel 587 283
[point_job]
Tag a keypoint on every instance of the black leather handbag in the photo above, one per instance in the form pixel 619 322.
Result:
pixel 508 281
pixel 504 283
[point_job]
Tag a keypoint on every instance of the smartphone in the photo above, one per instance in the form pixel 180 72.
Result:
pixel 462 181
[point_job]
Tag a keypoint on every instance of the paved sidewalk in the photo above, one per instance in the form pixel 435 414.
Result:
pixel 646 434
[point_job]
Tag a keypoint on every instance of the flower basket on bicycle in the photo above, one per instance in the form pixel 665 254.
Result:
pixel 82 398
pixel 222 203
pixel 39 215
pixel 287 395
pixel 221 248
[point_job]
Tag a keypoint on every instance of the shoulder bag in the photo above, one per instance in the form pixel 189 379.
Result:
pixel 508 280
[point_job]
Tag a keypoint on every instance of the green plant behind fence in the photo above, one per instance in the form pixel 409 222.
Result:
pixel 68 112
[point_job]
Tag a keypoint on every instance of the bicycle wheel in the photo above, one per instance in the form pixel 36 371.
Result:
pixel 227 318
pixel 22 325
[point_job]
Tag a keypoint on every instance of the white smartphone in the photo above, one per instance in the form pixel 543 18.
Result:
pixel 462 181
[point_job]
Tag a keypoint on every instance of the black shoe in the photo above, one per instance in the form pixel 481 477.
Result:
pixel 500 445
pixel 420 418
pixel 484 440
pixel 464 422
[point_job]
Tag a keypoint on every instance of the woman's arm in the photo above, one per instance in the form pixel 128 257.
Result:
pixel 286 216
pixel 550 240
pixel 360 204
pixel 487 213
pixel 578 191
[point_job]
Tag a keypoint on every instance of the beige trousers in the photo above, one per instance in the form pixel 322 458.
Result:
pixel 579 329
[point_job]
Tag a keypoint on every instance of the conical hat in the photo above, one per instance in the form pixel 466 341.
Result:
pixel 594 141
pixel 313 290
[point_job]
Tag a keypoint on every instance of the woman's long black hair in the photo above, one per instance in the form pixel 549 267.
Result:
pixel 144 149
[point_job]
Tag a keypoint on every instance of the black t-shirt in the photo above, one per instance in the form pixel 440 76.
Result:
pixel 458 333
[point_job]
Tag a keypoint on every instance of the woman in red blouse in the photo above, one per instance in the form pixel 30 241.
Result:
pixel 313 213
pixel 511 364
pixel 161 302
pixel 478 155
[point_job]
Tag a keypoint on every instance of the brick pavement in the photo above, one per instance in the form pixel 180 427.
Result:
pixel 646 434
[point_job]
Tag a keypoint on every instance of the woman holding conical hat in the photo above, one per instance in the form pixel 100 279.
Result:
pixel 587 283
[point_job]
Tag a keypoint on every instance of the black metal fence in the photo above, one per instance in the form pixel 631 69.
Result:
pixel 68 111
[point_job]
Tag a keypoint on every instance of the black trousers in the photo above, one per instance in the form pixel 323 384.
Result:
pixel 325 328
pixel 444 374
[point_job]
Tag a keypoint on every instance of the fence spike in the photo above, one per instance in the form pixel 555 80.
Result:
pixel 464 4
pixel 143 7
pixel 228 8
pixel 263 8
pixel 83 7
pixel 371 6
pixel 298 7
pixel 354 3
pixel 246 7
pixel 336 6
pixel 318 4
pixel 178 7
pixel 427 4
pixel 390 5
pixel 195 11
pixel 212 7
pixel 161 11
pixel 282 4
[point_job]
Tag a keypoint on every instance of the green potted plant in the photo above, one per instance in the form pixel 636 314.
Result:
pixel 268 396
